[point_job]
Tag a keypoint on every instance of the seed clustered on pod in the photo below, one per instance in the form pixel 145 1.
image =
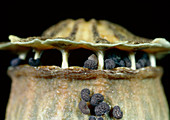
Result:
pixel 112 59
pixel 95 106
pixel 116 58
pixel 16 62
pixel 76 49
pixel 91 62
pixel 34 62
pixel 142 60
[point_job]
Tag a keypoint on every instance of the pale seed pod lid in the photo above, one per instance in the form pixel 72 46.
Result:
pixel 93 35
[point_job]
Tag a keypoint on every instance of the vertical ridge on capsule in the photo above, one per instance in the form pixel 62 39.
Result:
pixel 73 33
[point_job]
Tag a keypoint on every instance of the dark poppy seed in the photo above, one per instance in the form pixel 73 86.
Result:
pixel 96 99
pixel 101 109
pixel 127 62
pixel 84 107
pixel 117 113
pixel 142 62
pixel 120 57
pixel 92 118
pixel 122 63
pixel 91 64
pixel 148 63
pixel 33 62
pixel 138 66
pixel 100 118
pixel 109 64
pixel 85 94
pixel 16 62
pixel 146 60
pixel 114 59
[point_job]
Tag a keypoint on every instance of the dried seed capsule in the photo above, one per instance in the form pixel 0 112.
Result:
pixel 16 62
pixel 33 62
pixel 91 64
pixel 83 107
pixel 85 94
pixel 92 118
pixel 99 118
pixel 96 99
pixel 101 109
pixel 109 64
pixel 117 113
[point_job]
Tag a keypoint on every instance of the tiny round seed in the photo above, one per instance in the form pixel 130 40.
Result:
pixel 138 66
pixel 91 64
pixel 100 118
pixel 16 62
pixel 122 63
pixel 117 113
pixel 127 62
pixel 109 64
pixel 84 107
pixel 33 62
pixel 101 109
pixel 96 99
pixel 85 94
pixel 142 62
pixel 92 118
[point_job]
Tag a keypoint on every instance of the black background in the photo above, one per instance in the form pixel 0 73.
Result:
pixel 29 18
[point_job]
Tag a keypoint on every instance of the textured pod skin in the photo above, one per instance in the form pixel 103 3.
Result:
pixel 51 93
